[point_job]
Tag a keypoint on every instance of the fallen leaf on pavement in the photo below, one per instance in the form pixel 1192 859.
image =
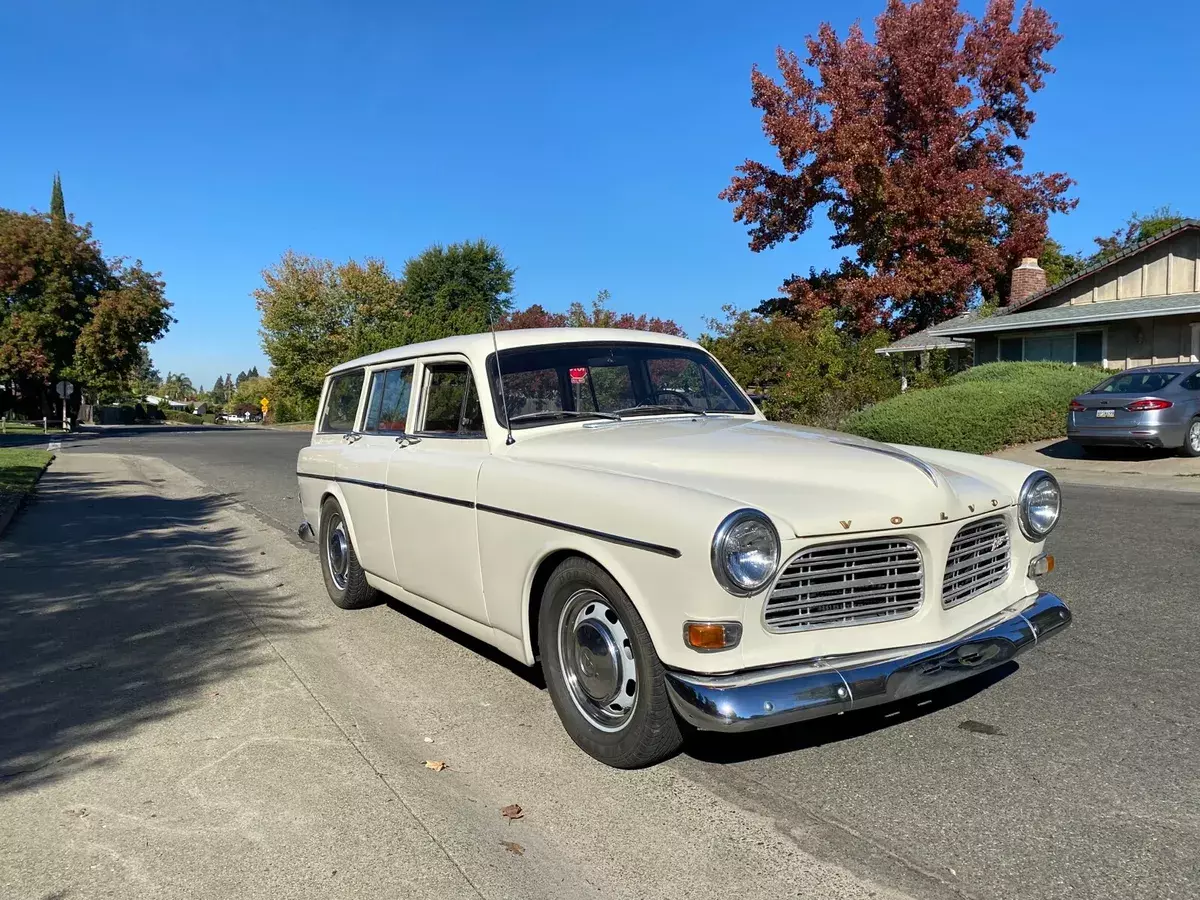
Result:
pixel 513 847
pixel 512 811
pixel 436 764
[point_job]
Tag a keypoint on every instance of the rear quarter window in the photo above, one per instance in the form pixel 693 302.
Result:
pixel 341 402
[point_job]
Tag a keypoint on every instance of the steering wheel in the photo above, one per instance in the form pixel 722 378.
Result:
pixel 674 396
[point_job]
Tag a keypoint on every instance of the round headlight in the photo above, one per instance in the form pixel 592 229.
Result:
pixel 1039 505
pixel 745 552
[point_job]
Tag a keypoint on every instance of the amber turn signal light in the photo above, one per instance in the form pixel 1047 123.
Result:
pixel 709 636
pixel 1043 565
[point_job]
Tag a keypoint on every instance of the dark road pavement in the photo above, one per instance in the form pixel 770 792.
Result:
pixel 1075 774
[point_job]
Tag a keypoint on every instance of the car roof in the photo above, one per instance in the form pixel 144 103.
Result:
pixel 1159 367
pixel 477 346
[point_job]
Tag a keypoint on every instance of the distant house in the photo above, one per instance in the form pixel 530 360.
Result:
pixel 1139 308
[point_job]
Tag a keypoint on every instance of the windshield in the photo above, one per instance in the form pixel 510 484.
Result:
pixel 1135 383
pixel 554 382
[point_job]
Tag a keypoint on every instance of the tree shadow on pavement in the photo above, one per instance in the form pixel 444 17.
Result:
pixel 732 748
pixel 120 608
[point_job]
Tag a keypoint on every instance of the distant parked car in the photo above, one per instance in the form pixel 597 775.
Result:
pixel 1148 406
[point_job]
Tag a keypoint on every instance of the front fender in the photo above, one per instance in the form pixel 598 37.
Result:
pixel 652 537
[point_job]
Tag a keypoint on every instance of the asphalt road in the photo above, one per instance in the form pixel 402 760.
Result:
pixel 1074 774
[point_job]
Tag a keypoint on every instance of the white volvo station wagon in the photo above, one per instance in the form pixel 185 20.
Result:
pixel 612 505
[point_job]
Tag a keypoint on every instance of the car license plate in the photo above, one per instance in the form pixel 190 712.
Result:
pixel 1106 414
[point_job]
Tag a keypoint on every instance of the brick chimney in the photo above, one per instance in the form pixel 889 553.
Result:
pixel 1027 279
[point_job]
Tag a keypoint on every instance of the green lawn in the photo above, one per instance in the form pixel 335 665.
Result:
pixel 21 468
pixel 21 428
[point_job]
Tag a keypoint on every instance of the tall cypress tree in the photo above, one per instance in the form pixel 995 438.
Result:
pixel 58 207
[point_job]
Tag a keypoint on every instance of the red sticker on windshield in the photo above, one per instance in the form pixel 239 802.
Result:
pixel 578 376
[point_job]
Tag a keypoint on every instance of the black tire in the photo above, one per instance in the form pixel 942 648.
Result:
pixel 353 592
pixel 649 732
pixel 1190 448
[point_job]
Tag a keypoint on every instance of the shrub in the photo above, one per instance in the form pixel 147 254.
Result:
pixel 982 409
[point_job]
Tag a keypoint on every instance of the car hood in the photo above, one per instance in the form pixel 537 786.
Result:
pixel 816 481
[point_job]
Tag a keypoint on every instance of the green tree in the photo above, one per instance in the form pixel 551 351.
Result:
pixel 58 206
pixel 456 289
pixel 812 373
pixel 1058 263
pixel 1139 227
pixel 67 312
pixel 316 314
pixel 253 373
pixel 177 386
pixel 146 379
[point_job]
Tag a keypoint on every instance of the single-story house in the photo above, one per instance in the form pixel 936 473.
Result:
pixel 1139 308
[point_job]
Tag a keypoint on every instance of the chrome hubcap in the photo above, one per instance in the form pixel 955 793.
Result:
pixel 1194 437
pixel 597 660
pixel 337 552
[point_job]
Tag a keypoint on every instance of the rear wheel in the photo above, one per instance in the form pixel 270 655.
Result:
pixel 603 675
pixel 345 580
pixel 1191 440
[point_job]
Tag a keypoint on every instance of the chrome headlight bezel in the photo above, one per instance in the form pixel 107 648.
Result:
pixel 1024 519
pixel 719 558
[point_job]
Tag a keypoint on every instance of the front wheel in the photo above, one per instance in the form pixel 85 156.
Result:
pixel 606 681
pixel 1191 440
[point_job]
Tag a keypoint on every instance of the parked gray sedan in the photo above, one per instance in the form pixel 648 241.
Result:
pixel 1147 406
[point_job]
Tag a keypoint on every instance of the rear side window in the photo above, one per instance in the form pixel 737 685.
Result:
pixel 1136 383
pixel 1192 382
pixel 341 402
pixel 451 401
pixel 387 410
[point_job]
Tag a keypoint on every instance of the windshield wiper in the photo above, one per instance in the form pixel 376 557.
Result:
pixel 563 414
pixel 662 408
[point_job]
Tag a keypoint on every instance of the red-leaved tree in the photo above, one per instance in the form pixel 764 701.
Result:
pixel 911 145
pixel 578 316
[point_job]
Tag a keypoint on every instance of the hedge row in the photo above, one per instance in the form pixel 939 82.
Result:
pixel 981 410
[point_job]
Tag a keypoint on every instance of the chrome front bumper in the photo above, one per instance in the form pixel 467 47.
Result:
pixel 305 533
pixel 763 698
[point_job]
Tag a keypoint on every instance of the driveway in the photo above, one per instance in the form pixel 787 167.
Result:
pixel 1147 469
pixel 1075 774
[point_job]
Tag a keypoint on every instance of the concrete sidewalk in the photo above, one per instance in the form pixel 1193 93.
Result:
pixel 1160 470
pixel 152 741
pixel 184 714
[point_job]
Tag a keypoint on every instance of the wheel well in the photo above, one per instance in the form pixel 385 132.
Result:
pixel 538 587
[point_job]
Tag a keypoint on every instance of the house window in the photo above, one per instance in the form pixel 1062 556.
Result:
pixel 985 349
pixel 1011 349
pixel 1050 348
pixel 1089 348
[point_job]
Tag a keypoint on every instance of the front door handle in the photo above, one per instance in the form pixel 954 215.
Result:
pixel 406 440
pixel 351 436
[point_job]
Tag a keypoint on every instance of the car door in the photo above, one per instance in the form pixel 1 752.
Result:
pixel 432 481
pixel 364 464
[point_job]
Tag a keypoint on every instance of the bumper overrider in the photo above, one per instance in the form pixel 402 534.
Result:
pixel 793 692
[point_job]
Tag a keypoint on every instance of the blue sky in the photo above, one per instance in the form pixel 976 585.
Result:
pixel 588 141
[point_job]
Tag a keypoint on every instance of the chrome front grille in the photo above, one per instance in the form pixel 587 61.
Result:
pixel 979 560
pixel 851 583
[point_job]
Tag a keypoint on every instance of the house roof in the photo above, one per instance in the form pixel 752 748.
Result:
pixel 931 338
pixel 1080 314
pixel 1185 225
